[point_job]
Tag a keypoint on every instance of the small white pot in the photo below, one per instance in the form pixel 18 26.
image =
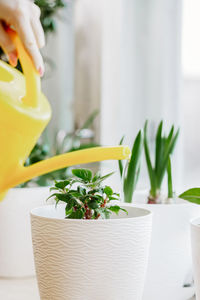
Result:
pixel 16 254
pixel 90 259
pixel 170 260
pixel 195 240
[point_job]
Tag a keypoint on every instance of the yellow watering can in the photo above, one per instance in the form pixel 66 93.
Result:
pixel 24 114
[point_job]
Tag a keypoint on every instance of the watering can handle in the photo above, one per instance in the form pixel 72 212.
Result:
pixel 32 78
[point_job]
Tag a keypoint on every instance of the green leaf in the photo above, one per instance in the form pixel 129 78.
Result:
pixel 81 190
pixel 95 197
pixel 62 184
pixel 170 145
pixel 62 197
pixel 169 176
pixel 97 190
pixel 75 194
pixel 93 204
pixel 53 188
pixel 108 191
pixel 169 138
pixel 96 177
pixel 84 174
pixel 116 198
pixel 159 147
pixel 78 214
pixel 121 168
pixel 104 212
pixel 69 207
pixel 191 195
pixel 68 211
pixel 104 177
pixel 116 209
pixel 133 169
pixel 150 169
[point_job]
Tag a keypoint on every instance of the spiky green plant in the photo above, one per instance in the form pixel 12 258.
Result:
pixel 164 146
pixel 85 196
pixel 130 179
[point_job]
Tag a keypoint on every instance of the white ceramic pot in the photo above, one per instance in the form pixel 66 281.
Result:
pixel 16 254
pixel 90 259
pixel 170 261
pixel 195 241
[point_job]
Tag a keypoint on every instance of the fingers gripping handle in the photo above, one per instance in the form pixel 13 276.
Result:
pixel 32 78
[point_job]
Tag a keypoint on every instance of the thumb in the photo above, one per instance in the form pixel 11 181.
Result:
pixel 8 46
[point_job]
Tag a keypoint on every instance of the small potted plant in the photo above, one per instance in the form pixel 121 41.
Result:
pixel 193 196
pixel 170 239
pixel 16 259
pixel 90 247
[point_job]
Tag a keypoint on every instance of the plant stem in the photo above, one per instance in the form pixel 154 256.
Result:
pixel 154 199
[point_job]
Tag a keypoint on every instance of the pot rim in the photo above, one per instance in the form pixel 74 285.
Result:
pixel 147 213
pixel 195 222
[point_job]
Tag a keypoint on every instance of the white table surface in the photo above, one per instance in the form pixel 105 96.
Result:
pixel 22 289
pixel 19 289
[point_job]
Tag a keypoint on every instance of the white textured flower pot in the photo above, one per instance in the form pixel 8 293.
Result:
pixel 90 259
pixel 195 241
pixel 170 260
pixel 16 254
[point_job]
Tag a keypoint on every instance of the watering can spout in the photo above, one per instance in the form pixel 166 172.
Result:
pixel 85 156
pixel 24 114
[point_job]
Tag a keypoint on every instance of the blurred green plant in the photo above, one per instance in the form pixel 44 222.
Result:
pixel 81 138
pixel 164 146
pixel 49 9
pixel 130 179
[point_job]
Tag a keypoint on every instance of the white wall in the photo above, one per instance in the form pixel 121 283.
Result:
pixel 88 33
pixel 140 65
pixel 58 83
pixel 140 68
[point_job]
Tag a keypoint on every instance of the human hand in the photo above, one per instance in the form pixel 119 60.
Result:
pixel 24 17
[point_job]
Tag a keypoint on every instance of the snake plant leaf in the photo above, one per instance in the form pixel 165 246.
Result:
pixel 171 142
pixel 169 177
pixel 169 147
pixel 170 134
pixel 121 167
pixel 191 195
pixel 159 147
pixel 133 168
pixel 148 161
pixel 164 146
